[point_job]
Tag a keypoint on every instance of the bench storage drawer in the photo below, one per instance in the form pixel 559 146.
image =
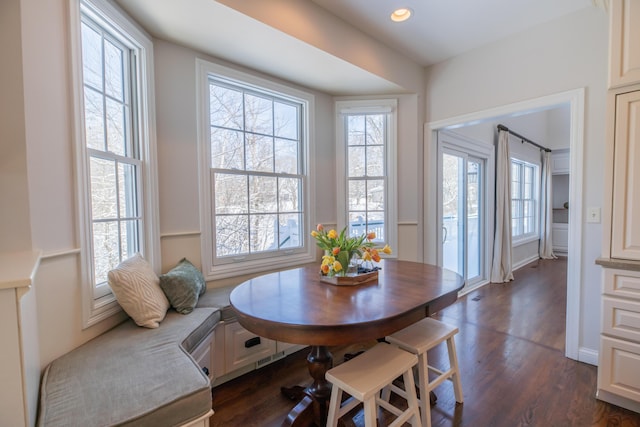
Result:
pixel 243 347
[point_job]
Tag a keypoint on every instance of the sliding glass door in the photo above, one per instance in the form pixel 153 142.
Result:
pixel 462 197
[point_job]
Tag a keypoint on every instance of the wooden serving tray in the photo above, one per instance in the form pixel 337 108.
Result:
pixel 351 280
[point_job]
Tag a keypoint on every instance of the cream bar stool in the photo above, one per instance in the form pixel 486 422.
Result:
pixel 363 378
pixel 418 339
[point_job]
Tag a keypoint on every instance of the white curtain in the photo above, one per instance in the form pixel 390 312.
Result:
pixel 502 268
pixel 546 209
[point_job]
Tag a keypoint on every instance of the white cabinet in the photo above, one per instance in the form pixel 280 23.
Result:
pixel 560 162
pixel 236 351
pixel 619 357
pixel 625 227
pixel 624 50
pixel 560 238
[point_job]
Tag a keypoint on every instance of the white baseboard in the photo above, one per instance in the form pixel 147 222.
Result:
pixel 525 262
pixel 618 400
pixel 588 355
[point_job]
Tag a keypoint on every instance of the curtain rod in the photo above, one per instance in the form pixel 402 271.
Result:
pixel 503 127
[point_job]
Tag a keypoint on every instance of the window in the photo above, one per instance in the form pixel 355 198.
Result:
pixel 113 149
pixel 524 199
pixel 366 159
pixel 255 144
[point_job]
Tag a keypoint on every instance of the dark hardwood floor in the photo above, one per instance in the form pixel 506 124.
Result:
pixel 511 354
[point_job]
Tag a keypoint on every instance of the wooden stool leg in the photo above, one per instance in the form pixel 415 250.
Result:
pixel 412 401
pixel 425 393
pixel 334 407
pixel 453 363
pixel 370 412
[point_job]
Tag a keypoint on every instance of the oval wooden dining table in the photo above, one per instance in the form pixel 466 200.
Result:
pixel 295 306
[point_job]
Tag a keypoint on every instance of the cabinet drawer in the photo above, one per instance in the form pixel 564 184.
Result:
pixel 622 283
pixel 619 368
pixel 202 355
pixel 621 318
pixel 243 347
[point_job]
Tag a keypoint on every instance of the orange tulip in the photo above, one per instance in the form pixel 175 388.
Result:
pixel 371 235
pixel 375 255
pixel 324 268
pixel 320 227
pixel 336 250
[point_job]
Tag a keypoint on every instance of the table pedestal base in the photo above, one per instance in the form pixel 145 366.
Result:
pixel 313 406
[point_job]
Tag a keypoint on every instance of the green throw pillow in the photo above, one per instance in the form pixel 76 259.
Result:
pixel 183 285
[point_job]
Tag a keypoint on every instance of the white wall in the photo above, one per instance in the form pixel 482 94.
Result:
pixel 555 57
pixel 558 129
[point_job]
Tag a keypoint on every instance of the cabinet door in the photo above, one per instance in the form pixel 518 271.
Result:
pixel 243 347
pixel 619 368
pixel 560 237
pixel 625 228
pixel 202 355
pixel 560 163
pixel 624 52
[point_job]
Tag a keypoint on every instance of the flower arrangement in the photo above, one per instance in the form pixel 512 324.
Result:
pixel 340 249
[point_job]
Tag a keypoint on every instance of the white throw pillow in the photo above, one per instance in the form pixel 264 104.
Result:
pixel 137 289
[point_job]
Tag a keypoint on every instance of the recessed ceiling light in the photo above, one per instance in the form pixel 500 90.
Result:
pixel 401 14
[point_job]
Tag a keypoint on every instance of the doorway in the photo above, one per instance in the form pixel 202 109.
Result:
pixel 576 101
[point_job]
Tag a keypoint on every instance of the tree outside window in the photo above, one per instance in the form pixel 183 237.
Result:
pixel 257 171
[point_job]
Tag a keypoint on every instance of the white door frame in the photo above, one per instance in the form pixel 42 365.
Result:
pixel 575 99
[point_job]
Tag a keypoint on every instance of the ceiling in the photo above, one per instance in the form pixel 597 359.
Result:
pixel 441 29
pixel 438 30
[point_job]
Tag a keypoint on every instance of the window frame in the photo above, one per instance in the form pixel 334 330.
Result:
pixel 99 304
pixel 229 266
pixel 343 109
pixel 535 191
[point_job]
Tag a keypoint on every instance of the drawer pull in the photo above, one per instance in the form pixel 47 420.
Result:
pixel 252 342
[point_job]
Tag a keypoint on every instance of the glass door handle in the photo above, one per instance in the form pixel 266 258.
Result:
pixel 444 234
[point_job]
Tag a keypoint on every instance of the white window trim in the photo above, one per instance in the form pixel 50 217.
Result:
pixel 96 310
pixel 391 212
pixel 212 271
pixel 523 239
